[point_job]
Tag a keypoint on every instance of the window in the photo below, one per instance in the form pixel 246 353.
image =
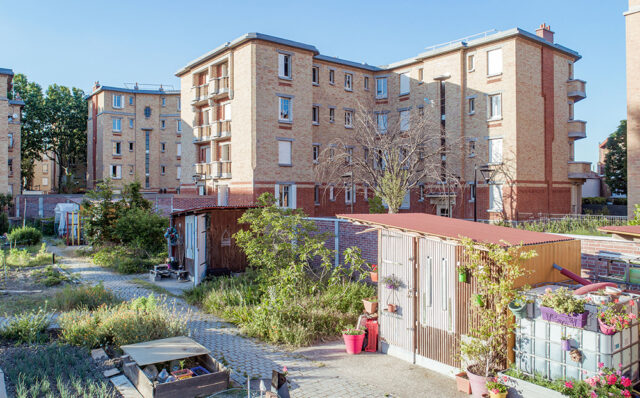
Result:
pixel 179 125
pixel 332 76
pixel 381 87
pixel 349 158
pixel 10 166
pixel 494 62
pixel 116 171
pixel 227 111
pixel 421 192
pixel 472 192
pixel 331 196
pixel 471 62
pixel 284 66
pixel 316 153
pixel 163 146
pixel 472 105
pixel 366 83
pixel 495 197
pixel 164 103
pixel 45 168
pixel 331 153
pixel 117 125
pixel 315 110
pixel 348 119
pixel 471 148
pixel 131 147
pixel 179 104
pixel 495 106
pixel 131 100
pixel 163 169
pixel 178 149
pixel 332 115
pixel 163 124
pixel 495 150
pixel 349 193
pixel 570 110
pixel 117 101
pixel 284 153
pixel 147 112
pixel 45 181
pixel 315 75
pixel 117 148
pixel 10 140
pixel 285 109
pixel 131 167
pixel 348 81
pixel 286 195
pixel 381 119
pixel 570 71
pixel 405 83
pixel 316 194
pixel 130 123
pixel 178 172
pixel 404 120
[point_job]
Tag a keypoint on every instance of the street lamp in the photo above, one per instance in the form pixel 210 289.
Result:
pixel 486 173
pixel 349 176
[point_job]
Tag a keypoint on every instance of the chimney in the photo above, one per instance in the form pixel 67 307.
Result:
pixel 545 32
pixel 96 85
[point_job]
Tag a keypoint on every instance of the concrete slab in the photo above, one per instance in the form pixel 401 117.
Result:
pixel 124 387
pixel 111 372
pixel 99 355
pixel 3 387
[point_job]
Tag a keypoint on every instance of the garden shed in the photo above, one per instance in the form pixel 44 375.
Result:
pixel 423 252
pixel 205 243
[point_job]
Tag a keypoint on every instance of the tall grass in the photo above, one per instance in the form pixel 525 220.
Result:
pixel 566 225
pixel 82 297
pixel 29 327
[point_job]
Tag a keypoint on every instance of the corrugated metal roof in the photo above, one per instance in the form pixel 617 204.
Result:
pixel 206 208
pixel 454 228
pixel 633 230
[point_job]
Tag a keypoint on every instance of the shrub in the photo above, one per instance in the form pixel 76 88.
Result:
pixel 127 323
pixel 82 297
pixel 28 327
pixel 563 301
pixel 50 276
pixel 4 223
pixel 141 229
pixel 23 257
pixel 619 201
pixel 376 206
pixel 125 260
pixel 25 236
pixel 594 200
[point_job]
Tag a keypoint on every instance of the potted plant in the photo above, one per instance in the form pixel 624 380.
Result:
pixel 599 297
pixel 392 308
pixel 182 373
pixel 518 306
pixel 565 342
pixel 496 387
pixel 374 273
pixel 370 305
pixel 392 283
pixel 462 382
pixel 614 319
pixel 353 339
pixel 478 300
pixel 561 306
pixel 463 273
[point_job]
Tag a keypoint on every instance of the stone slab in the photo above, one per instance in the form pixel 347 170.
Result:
pixel 124 387
pixel 99 355
pixel 111 372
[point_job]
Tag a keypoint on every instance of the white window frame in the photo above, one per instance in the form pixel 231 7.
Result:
pixel 471 105
pixel 10 140
pixel 366 83
pixel 348 81
pixel 45 180
pixel 315 75
pixel 178 172
pixel 382 122
pixel 496 149
pixel 117 148
pixel 495 55
pixel 332 76
pixel 471 62
pixel 495 197
pixel 316 153
pixel 131 100
pixel 405 84
pixel 285 153
pixel 280 189
pixel 405 120
pixel 382 88
pixel 117 101
pixel 332 196
pixel 348 119
pixel 116 124
pixel 349 155
pixel 281 101
pixel 315 114
pixel 179 149
pixel 284 66
pixel 494 113
pixel 471 148
pixel 118 171
pixel 349 193
pixel 164 101
pixel 332 115
pixel 179 125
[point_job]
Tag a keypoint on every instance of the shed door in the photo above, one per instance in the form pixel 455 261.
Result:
pixel 436 299
pixel 397 261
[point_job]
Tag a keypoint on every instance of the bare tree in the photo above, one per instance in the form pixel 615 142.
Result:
pixel 391 154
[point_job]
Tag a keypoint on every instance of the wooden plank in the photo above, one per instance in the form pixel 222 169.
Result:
pixel 124 387
pixel 164 350
pixel 138 379
pixel 194 386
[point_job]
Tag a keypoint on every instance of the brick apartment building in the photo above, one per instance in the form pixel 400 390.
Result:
pixel 632 17
pixel 134 134
pixel 508 92
pixel 45 175
pixel 10 175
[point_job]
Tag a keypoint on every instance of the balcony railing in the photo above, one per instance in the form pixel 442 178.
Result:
pixel 221 128
pixel 576 89
pixel 216 169
pixel 201 93
pixel 579 170
pixel 224 168
pixel 203 133
pixel 577 129
pixel 218 87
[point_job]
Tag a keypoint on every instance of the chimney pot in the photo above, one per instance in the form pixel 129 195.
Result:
pixel 545 32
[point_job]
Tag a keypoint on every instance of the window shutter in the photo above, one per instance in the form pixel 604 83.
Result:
pixel 280 64
pixel 284 152
pixel 494 62
pixel 404 83
pixel 277 194
pixel 227 112
pixel 292 198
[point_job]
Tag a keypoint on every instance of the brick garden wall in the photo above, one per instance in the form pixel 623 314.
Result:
pixel 591 245
pixel 349 235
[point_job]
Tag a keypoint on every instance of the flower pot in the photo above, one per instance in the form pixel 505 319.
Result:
pixel 462 276
pixel 478 300
pixel 518 311
pixel 353 343
pixel 566 344
pixel 391 307
pixel 599 299
pixel 498 395
pixel 462 382
pixel 370 306
pixel 478 384
pixel 373 276
pixel 573 320
pixel 182 374
pixel 606 329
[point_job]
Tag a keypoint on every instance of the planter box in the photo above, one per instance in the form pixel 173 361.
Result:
pixel 523 389
pixel 576 321
pixel 462 382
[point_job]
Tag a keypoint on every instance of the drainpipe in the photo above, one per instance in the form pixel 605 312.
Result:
pixel 414 293
pixel 336 242
pixel 463 90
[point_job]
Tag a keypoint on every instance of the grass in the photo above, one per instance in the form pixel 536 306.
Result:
pixel 28 327
pixel 125 260
pixel 18 303
pixel 566 225
pixel 82 297
pixel 31 256
pixel 50 276
pixel 52 370
pixel 152 286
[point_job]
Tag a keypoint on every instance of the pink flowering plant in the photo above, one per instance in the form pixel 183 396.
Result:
pixel 616 317
pixel 496 385
pixel 609 383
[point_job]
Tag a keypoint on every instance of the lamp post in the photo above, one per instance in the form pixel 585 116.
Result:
pixel 486 173
pixel 349 176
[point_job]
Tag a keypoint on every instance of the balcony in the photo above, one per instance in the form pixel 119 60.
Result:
pixel 221 129
pixel 579 170
pixel 219 87
pixel 204 171
pixel 214 170
pixel 576 89
pixel 577 129
pixel 203 134
pixel 200 94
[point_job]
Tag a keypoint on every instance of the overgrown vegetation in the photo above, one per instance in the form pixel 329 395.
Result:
pixel 28 328
pixel 128 223
pixel 292 294
pixel 141 319
pixel 32 256
pixel 25 236
pixel 82 297
pixel 50 276
pixel 566 225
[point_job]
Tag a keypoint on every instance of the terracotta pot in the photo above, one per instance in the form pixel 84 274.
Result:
pixel 370 307
pixel 353 343
pixel 478 384
pixel 462 382
pixel 391 307
pixel 374 276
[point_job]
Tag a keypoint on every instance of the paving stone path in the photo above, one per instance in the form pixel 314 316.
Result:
pixel 245 356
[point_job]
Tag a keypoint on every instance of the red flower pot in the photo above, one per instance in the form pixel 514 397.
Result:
pixel 353 343
pixel 606 329
pixel 478 384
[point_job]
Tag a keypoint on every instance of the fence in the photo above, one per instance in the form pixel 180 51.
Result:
pixel 343 234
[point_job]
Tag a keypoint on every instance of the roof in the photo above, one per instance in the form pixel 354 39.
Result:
pixel 454 228
pixel 348 63
pixel 631 230
pixel 133 91
pixel 164 350
pixel 16 102
pixel 6 71
pixel 208 208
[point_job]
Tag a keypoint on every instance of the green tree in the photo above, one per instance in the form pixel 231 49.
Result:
pixel 615 161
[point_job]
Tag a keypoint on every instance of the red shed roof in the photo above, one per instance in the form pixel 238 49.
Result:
pixel 454 228
pixel 210 208
pixel 631 230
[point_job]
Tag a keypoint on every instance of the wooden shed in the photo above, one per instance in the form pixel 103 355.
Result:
pixel 423 251
pixel 205 243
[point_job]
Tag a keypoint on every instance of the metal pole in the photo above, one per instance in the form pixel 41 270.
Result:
pixel 475 196
pixel 353 191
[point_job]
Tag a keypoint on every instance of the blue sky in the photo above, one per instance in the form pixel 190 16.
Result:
pixel 75 43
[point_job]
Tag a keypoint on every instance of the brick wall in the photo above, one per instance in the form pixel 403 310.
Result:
pixel 349 235
pixel 591 245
